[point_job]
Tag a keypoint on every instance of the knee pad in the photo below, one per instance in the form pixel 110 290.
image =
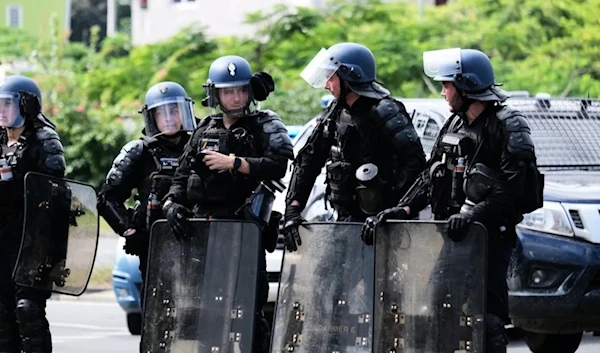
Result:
pixel 496 338
pixel 33 326
pixel 7 331
pixel 28 311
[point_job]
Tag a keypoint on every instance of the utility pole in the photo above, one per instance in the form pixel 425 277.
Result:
pixel 111 17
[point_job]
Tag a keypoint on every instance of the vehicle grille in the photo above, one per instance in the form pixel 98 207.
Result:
pixel 576 219
pixel 595 282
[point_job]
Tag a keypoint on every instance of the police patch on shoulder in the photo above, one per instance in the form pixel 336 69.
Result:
pixel 232 68
pixel 169 163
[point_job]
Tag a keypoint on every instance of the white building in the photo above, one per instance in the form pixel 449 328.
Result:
pixel 156 20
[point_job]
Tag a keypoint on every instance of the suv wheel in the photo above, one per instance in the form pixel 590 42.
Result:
pixel 134 323
pixel 552 343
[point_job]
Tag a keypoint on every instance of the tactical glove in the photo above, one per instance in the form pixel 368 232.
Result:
pixel 457 226
pixel 290 232
pixel 177 217
pixel 368 228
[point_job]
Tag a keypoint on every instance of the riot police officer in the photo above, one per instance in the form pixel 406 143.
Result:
pixel 147 165
pixel 229 155
pixel 365 138
pixel 483 169
pixel 29 143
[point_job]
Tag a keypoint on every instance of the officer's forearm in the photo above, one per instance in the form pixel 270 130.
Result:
pixel 500 203
pixel 266 168
pixel 115 215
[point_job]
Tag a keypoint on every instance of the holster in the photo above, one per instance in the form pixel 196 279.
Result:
pixel 271 232
pixel 369 192
pixel 341 184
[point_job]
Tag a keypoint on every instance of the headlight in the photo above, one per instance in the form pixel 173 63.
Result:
pixel 552 218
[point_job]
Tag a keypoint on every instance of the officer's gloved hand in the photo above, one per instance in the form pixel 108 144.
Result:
pixel 177 216
pixel 457 226
pixel 368 228
pixel 135 241
pixel 292 219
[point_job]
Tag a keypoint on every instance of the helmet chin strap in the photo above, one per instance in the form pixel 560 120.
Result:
pixel 465 104
pixel 344 93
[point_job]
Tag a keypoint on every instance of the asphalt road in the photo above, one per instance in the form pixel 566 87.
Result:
pixel 100 327
pixel 107 247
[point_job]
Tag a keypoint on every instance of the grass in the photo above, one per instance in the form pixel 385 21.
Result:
pixel 104 227
pixel 101 277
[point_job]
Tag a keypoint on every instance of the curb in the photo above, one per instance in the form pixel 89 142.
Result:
pixel 91 294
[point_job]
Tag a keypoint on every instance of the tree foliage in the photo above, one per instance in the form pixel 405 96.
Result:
pixel 94 91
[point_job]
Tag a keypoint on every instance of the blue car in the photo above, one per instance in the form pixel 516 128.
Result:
pixel 127 278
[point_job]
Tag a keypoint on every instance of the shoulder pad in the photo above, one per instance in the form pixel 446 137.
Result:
pixel 520 142
pixel 50 140
pixel 53 149
pixel 205 121
pixel 391 117
pixel 122 164
pixel 277 133
pixel 274 126
pixel 266 115
pixel 45 133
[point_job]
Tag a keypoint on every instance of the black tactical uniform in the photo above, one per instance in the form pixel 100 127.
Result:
pixel 373 131
pixel 260 137
pixel 147 165
pixel 23 323
pixel 371 150
pixel 505 151
pixel 501 181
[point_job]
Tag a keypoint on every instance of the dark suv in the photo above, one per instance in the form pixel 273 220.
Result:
pixel 554 277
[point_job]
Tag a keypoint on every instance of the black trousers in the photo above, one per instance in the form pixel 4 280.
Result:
pixel 23 323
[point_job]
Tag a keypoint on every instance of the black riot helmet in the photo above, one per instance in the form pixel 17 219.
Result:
pixel 167 110
pixel 230 74
pixel 353 63
pixel 469 70
pixel 20 100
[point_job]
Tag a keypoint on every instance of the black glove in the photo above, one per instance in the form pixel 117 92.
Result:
pixel 292 219
pixel 177 216
pixel 368 228
pixel 262 84
pixel 457 226
pixel 136 243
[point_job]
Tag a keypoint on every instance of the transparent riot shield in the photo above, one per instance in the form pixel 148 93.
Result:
pixel 60 235
pixel 430 291
pixel 325 301
pixel 201 291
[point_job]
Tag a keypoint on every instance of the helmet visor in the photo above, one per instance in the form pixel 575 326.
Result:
pixel 170 116
pixel 440 64
pixel 320 69
pixel 10 114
